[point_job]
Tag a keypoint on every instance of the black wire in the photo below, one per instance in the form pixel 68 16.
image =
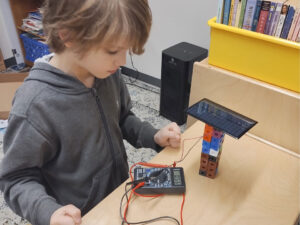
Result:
pixel 138 73
pixel 133 84
pixel 145 221
pixel 123 221
pixel 155 110
pixel 125 194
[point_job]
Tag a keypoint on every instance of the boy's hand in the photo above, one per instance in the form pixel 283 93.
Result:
pixel 66 215
pixel 168 136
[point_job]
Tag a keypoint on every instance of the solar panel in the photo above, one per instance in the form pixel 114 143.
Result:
pixel 220 117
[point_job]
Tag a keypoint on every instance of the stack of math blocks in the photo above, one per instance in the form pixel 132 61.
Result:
pixel 211 151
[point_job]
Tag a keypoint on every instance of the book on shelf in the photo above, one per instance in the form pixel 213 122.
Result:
pixel 220 11
pixel 293 25
pixel 256 15
pixel 287 23
pixel 275 18
pixel 35 15
pixel 279 18
pixel 296 31
pixel 2 64
pixel 265 7
pixel 33 23
pixel 231 12
pixel 270 18
pixel 238 13
pixel 292 28
pixel 235 7
pixel 242 13
pixel 284 10
pixel 227 4
pixel 249 14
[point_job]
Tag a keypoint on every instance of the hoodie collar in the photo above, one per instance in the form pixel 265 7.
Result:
pixel 43 72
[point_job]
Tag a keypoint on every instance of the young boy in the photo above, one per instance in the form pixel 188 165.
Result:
pixel 63 147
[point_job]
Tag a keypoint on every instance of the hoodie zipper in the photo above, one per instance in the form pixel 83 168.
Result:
pixel 103 118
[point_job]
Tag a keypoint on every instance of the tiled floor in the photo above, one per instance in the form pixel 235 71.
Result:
pixel 145 99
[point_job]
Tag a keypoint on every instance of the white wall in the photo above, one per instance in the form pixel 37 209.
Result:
pixel 174 21
pixel 8 34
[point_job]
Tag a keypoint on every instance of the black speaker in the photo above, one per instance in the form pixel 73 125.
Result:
pixel 176 76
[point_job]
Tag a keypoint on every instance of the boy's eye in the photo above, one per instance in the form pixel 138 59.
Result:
pixel 112 52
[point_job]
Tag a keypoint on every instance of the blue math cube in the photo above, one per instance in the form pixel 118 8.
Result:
pixel 216 143
pixel 205 147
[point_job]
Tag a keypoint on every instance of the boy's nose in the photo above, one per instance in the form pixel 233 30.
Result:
pixel 121 60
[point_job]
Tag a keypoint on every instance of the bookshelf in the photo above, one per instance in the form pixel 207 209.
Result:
pixel 9 83
pixel 20 9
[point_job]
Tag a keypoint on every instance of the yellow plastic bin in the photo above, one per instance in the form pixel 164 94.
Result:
pixel 263 57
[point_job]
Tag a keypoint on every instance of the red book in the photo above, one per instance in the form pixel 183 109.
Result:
pixel 265 8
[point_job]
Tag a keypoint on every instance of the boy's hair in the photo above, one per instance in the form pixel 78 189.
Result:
pixel 90 23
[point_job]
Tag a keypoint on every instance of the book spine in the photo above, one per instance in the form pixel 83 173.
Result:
pixel 283 13
pixel 231 12
pixel 243 7
pixel 238 13
pixel 296 31
pixel 236 3
pixel 270 18
pixel 287 23
pixel 298 38
pixel 295 19
pixel 220 11
pixel 249 14
pixel 226 11
pixel 256 15
pixel 265 7
pixel 275 19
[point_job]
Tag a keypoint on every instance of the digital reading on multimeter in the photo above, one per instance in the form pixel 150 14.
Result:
pixel 169 180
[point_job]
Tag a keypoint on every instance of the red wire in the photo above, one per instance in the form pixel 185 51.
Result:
pixel 143 183
pixel 181 210
pixel 127 204
pixel 183 147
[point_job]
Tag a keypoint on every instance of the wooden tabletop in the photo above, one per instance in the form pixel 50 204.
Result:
pixel 256 185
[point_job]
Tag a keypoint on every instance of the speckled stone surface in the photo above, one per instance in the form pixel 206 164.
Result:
pixel 145 99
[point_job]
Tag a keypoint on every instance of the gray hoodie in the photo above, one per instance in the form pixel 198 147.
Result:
pixel 64 142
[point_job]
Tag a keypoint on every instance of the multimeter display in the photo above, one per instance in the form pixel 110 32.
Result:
pixel 168 180
pixel 177 177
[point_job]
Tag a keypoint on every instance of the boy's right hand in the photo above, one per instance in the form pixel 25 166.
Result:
pixel 66 215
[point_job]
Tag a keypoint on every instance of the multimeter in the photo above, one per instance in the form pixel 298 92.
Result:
pixel 167 180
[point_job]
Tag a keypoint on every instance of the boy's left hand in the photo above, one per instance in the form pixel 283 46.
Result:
pixel 169 135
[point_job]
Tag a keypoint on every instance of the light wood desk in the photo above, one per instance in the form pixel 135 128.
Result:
pixel 256 185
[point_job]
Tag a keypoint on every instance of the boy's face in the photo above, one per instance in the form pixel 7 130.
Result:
pixel 104 61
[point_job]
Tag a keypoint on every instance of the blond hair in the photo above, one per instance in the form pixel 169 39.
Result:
pixel 89 23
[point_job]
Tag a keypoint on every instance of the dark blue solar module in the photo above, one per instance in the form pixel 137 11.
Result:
pixel 220 117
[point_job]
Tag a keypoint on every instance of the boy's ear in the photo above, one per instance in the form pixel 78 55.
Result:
pixel 64 35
